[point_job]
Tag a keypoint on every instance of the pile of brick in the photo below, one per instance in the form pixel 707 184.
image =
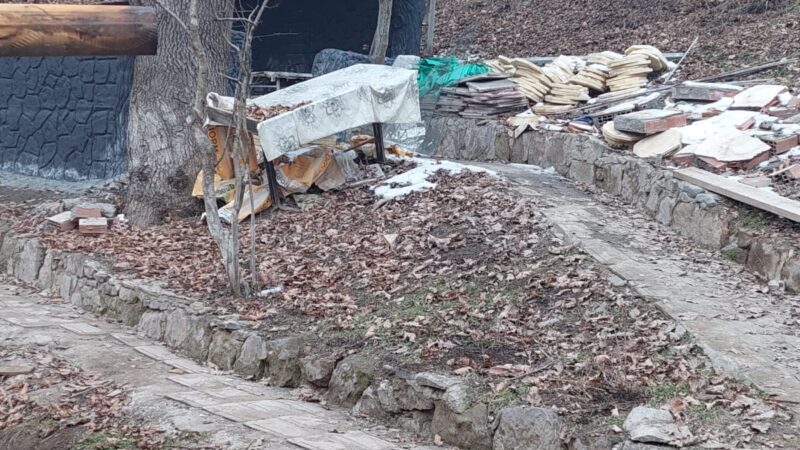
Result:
pixel 716 127
pixel 88 217
pixel 630 128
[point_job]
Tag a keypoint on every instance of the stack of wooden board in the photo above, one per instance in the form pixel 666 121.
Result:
pixel 567 94
pixel 482 96
pixel 534 81
pixel 93 225
pixel 547 109
pixel 593 77
pixel 602 58
pixel 618 138
pixel 492 98
pixel 629 73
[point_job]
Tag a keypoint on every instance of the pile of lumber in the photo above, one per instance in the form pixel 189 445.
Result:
pixel 567 94
pixel 567 81
pixel 593 77
pixel 536 82
pixel 482 96
pixel 603 58
pixel 629 73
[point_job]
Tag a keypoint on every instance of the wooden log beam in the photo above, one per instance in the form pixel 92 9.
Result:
pixel 77 30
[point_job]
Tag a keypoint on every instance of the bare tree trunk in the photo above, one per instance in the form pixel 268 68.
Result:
pixel 165 141
pixel 381 40
pixel 431 27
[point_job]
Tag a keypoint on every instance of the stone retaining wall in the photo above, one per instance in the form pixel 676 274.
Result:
pixel 427 404
pixel 707 219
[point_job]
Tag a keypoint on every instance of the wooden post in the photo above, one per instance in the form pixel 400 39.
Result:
pixel 380 43
pixel 77 30
pixel 431 26
pixel 380 143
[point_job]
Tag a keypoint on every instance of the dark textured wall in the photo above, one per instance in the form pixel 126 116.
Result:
pixel 64 118
pixel 294 31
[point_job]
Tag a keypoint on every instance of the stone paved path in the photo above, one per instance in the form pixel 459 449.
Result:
pixel 743 330
pixel 176 394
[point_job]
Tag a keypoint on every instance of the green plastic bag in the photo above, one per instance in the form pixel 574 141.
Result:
pixel 436 73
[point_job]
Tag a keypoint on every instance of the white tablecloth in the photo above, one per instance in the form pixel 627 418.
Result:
pixel 348 98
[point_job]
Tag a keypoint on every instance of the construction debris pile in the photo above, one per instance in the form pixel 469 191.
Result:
pixel 557 87
pixel 747 131
pixel 567 81
pixel 732 127
pixel 323 165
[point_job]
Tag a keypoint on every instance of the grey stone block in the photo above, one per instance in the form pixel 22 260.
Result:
pixel 528 428
pixel 350 379
pixel 469 429
pixel 152 325
pixel 223 349
pixel 250 362
pixel 283 361
pixel 317 370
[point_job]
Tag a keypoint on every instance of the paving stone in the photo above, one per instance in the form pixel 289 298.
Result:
pixel 226 392
pixel 292 426
pixel 199 399
pixel 260 390
pixel 199 381
pixel 186 365
pixel 130 340
pixel 287 407
pixel 82 328
pixel 251 411
pixel 35 322
pixel 306 407
pixel 157 352
pixel 352 440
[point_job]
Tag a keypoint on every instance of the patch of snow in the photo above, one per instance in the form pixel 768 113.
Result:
pixel 786 129
pixel 784 98
pixel 794 151
pixel 535 169
pixel 416 179
pixel 713 85
pixel 695 111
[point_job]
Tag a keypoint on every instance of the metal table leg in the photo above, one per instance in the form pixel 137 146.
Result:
pixel 380 145
pixel 272 180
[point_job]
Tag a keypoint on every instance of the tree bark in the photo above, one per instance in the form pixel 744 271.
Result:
pixel 381 40
pixel 431 27
pixel 165 142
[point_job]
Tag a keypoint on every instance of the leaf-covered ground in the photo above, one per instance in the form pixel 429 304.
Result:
pixel 732 33
pixel 465 279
